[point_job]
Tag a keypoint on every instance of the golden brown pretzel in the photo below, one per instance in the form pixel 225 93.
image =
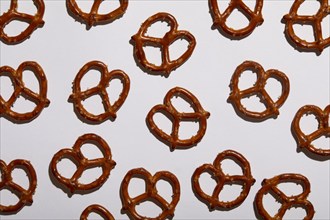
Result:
pixel 82 163
pixel 305 140
pixel 78 96
pixel 97 209
pixel 6 182
pixel 151 193
pixel 93 17
pixel 315 21
pixel 16 77
pixel 246 180
pixel 176 117
pixel 271 186
pixel 140 40
pixel 236 95
pixel 12 14
pixel 219 19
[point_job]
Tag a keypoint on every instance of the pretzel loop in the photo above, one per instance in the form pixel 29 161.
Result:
pixel 300 200
pixel 97 209
pixel 12 14
pixel 151 194
pixel 246 180
pixel 6 182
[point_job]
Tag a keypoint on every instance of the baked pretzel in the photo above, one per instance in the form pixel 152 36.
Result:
pixel 304 141
pixel 236 95
pixel 93 17
pixel 141 39
pixel 287 202
pixel 199 115
pixel 151 193
pixel 77 97
pixel 12 14
pixel 76 156
pixel 219 19
pixel 246 180
pixel 6 182
pixel 103 212
pixel 315 21
pixel 16 77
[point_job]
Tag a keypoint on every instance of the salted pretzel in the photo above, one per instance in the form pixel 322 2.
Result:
pixel 16 77
pixel 141 40
pixel 77 97
pixel 82 163
pixel 292 18
pixel 103 212
pixel 271 186
pixel 246 180
pixel 219 19
pixel 199 115
pixel 305 140
pixel 12 14
pixel 93 17
pixel 151 193
pixel 272 107
pixel 6 182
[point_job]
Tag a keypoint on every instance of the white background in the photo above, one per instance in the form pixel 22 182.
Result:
pixel 63 46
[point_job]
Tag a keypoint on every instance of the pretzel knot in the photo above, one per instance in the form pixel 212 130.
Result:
pixel 199 115
pixel 103 212
pixel 78 96
pixel 167 65
pixel 287 202
pixel 82 163
pixel 93 17
pixel 305 140
pixel 219 20
pixel 6 182
pixel 151 193
pixel 12 14
pixel 215 170
pixel 16 77
pixel 315 21
pixel 258 89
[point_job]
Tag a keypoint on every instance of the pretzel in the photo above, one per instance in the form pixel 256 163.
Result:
pixel 305 140
pixel 315 21
pixel 78 96
pixel 6 182
pixel 199 115
pixel 82 163
pixel 219 19
pixel 272 108
pixel 151 193
pixel 12 14
pixel 16 77
pixel 246 180
pixel 140 40
pixel 97 209
pixel 287 202
pixel 93 17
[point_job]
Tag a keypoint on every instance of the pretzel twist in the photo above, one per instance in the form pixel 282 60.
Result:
pixel 16 77
pixel 272 107
pixel 6 182
pixel 78 96
pixel 151 193
pixel 246 180
pixel 315 21
pixel 93 17
pixel 83 163
pixel 305 140
pixel 103 212
pixel 199 115
pixel 12 14
pixel 140 40
pixel 287 202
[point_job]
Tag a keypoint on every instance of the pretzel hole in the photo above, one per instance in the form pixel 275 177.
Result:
pixel 90 175
pixel 6 87
pixel 178 48
pixel 273 88
pixel 91 79
pixel 295 212
pixel 304 31
pixel 222 5
pixel 149 208
pixel 7 197
pixel 95 216
pixel 137 186
pixel 230 167
pixel 20 177
pixel 66 167
pixel 164 189
pixel 322 142
pixel 108 6
pixel 207 182
pixel 182 104
pixel 15 27
pixel 308 123
pixel 23 105
pixel 247 79
pixel 230 192
pixel 94 104
pixel 188 129
pixel 85 6
pixel 153 54
pixel 158 29
pixel 31 80
pixel 91 151
pixel 253 103
pixel 325 25
pixel 309 7
pixel 4 6
pixel 164 120
pixel 114 89
pixel 250 3
pixel 290 188
pixel 271 205
pixel 237 19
